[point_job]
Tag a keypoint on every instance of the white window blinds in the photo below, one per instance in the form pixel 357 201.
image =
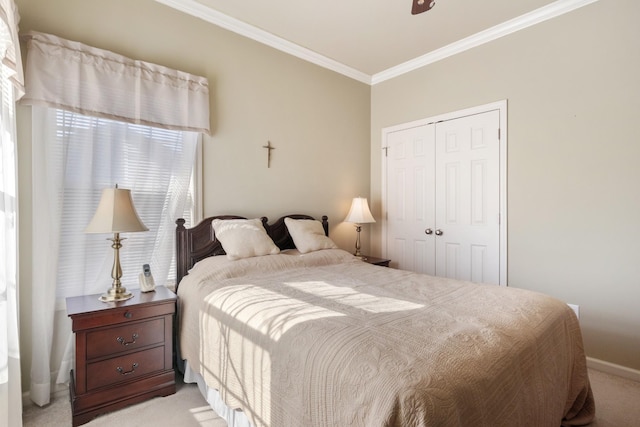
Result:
pixel 83 155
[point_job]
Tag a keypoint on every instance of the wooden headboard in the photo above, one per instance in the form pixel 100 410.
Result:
pixel 199 242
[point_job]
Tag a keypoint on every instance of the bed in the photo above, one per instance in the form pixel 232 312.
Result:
pixel 280 328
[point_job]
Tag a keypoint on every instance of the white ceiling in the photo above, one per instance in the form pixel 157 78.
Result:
pixel 373 40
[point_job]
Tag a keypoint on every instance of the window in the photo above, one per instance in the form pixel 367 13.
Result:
pixel 87 154
pixel 75 157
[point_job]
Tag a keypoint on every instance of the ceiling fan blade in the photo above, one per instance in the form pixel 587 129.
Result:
pixel 420 6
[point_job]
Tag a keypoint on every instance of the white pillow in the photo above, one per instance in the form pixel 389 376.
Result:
pixel 243 238
pixel 308 235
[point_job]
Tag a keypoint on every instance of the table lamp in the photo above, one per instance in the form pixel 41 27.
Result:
pixel 116 214
pixel 359 214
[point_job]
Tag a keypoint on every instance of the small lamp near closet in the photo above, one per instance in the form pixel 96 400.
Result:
pixel 359 214
pixel 116 214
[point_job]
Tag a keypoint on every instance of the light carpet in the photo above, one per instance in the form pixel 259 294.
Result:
pixel 617 405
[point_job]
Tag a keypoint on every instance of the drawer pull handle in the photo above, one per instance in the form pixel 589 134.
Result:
pixel 123 372
pixel 126 343
pixel 128 315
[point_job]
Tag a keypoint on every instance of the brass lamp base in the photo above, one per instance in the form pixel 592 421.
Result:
pixel 116 294
pixel 357 253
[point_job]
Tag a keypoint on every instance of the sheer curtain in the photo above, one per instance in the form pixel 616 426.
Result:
pixel 11 89
pixel 112 120
pixel 74 158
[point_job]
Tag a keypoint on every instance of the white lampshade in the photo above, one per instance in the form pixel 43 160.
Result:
pixel 359 212
pixel 115 213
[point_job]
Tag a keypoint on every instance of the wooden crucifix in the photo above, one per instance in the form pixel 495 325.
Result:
pixel 269 148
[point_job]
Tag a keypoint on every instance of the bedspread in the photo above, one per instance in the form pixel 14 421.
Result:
pixel 324 339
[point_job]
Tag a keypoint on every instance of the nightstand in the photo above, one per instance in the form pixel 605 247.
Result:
pixel 124 351
pixel 376 261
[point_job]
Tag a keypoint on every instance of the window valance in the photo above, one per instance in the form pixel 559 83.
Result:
pixel 72 76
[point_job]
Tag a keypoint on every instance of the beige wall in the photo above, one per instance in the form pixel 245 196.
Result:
pixel 573 91
pixel 319 121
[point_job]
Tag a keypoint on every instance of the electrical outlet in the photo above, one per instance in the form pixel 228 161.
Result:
pixel 576 309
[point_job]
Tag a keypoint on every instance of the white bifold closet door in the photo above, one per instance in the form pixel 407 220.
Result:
pixel 443 198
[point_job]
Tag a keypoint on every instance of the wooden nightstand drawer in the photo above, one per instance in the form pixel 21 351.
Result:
pixel 106 342
pixel 112 371
pixel 121 315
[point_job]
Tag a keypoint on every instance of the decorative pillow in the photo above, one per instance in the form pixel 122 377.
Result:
pixel 243 238
pixel 308 235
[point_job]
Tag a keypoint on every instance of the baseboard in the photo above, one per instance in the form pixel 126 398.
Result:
pixel 612 368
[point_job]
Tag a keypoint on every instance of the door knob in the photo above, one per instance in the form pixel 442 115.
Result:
pixel 428 231
pixel 438 232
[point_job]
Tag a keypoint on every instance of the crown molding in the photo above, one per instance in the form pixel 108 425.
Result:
pixel 552 10
pixel 192 7
pixel 534 17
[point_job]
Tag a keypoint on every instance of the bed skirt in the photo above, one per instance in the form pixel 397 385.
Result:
pixel 233 417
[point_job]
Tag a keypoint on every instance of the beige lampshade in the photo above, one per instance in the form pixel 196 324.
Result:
pixel 359 212
pixel 115 213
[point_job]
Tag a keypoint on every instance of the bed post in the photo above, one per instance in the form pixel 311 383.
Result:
pixel 181 251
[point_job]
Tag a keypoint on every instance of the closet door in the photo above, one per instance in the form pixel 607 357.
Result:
pixel 443 198
pixel 467 202
pixel 410 210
